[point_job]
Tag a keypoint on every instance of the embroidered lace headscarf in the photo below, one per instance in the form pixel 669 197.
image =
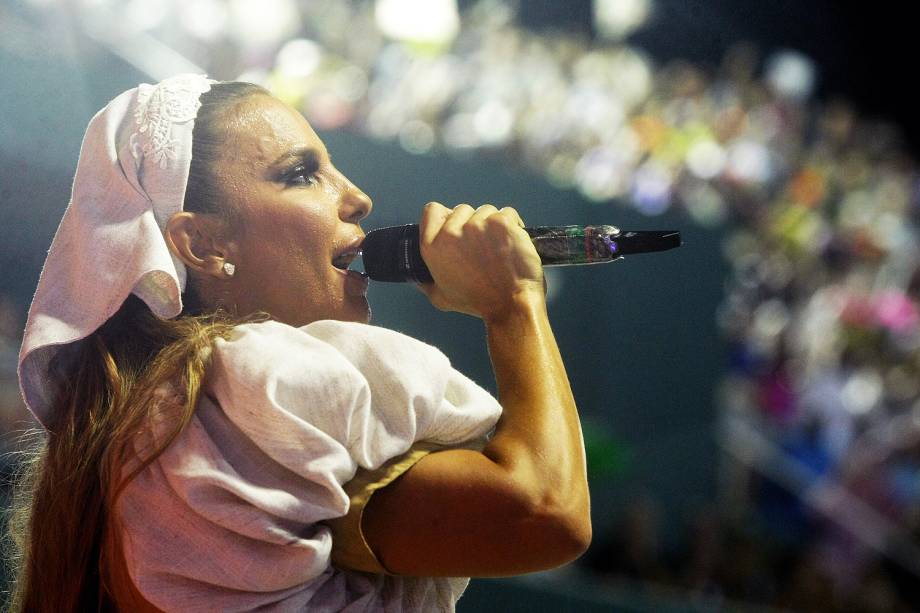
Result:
pixel 130 179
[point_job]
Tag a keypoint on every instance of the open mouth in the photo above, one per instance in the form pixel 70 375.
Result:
pixel 344 260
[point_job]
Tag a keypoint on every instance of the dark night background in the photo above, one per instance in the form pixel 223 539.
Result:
pixel 865 51
pixel 654 344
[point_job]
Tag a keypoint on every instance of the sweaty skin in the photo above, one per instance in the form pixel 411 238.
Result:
pixel 520 505
pixel 294 212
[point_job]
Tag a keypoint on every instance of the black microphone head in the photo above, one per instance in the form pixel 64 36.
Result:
pixel 392 254
pixel 646 241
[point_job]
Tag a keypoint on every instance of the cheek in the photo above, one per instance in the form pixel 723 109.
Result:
pixel 289 240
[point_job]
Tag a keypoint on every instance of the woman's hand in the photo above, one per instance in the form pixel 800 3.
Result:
pixel 482 260
pixel 522 504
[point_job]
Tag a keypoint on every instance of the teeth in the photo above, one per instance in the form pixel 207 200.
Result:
pixel 344 260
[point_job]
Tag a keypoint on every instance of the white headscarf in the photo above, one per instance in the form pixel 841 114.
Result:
pixel 130 180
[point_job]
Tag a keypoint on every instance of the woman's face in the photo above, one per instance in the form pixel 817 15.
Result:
pixel 298 219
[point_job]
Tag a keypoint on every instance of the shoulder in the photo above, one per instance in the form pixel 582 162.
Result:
pixel 355 340
pixel 330 341
pixel 269 358
pixel 374 390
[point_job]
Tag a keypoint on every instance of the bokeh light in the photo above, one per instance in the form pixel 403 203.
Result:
pixel 418 21
pixel 819 205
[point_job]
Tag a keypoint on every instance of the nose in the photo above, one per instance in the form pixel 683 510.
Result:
pixel 355 205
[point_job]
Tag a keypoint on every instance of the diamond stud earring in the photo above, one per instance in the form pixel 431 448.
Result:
pixel 229 269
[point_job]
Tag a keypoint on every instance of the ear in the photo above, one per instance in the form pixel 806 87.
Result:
pixel 199 241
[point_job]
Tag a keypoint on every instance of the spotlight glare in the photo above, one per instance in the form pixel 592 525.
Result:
pixel 706 159
pixel 749 162
pixel 791 75
pixel 617 19
pixel 204 19
pixel 263 23
pixel 146 14
pixel 862 391
pixel 418 21
pixel 298 58
pixel 493 122
pixel 416 137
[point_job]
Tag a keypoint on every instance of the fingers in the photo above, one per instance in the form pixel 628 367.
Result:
pixel 458 217
pixel 482 213
pixel 487 214
pixel 433 217
pixel 436 217
pixel 512 214
pixel 479 258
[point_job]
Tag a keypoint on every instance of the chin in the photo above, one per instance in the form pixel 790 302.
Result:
pixel 355 312
pixel 362 317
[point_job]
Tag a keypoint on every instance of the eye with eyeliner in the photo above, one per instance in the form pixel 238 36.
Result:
pixel 302 169
pixel 302 173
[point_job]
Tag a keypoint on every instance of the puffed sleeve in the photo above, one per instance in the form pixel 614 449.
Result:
pixel 233 512
pixel 372 390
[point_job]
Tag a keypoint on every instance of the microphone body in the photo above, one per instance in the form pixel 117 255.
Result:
pixel 393 254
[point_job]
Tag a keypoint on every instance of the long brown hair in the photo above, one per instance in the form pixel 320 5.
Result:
pixel 71 479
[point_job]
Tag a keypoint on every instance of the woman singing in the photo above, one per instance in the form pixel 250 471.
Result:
pixel 225 431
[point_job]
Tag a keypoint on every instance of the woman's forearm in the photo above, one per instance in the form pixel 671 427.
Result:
pixel 538 440
pixel 521 505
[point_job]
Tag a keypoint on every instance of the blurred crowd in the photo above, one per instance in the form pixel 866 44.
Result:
pixel 13 415
pixel 820 311
pixel 722 563
pixel 820 210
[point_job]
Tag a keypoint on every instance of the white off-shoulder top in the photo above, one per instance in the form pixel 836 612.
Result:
pixel 295 429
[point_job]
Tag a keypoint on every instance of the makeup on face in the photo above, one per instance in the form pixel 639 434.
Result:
pixel 300 227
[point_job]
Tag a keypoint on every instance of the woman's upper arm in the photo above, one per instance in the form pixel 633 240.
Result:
pixel 458 513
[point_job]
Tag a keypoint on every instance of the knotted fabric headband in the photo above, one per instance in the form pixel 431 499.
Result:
pixel 130 179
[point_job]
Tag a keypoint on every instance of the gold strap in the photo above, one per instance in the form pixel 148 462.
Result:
pixel 350 549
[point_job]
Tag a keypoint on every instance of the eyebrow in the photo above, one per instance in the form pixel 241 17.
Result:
pixel 299 153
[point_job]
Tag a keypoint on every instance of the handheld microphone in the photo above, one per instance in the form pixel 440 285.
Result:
pixel 393 254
